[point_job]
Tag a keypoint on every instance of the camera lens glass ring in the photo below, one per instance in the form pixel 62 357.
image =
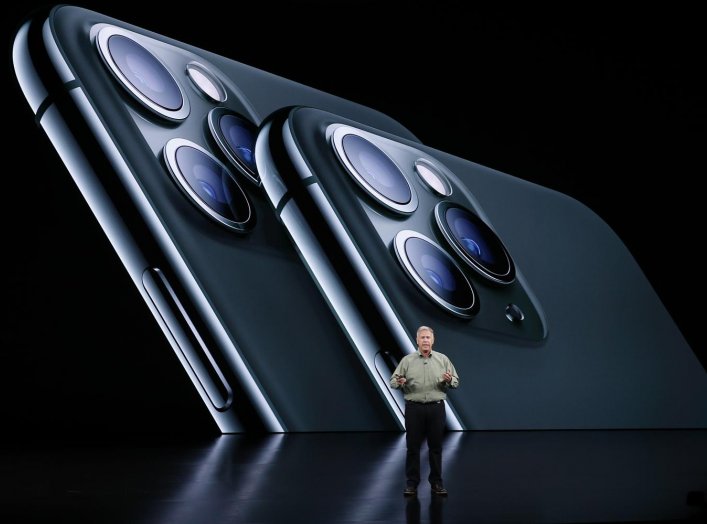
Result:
pixel 236 138
pixel 142 74
pixel 209 184
pixel 436 273
pixel 374 171
pixel 206 82
pixel 433 178
pixel 475 242
pixel 377 169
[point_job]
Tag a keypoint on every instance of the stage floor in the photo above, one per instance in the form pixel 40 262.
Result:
pixel 518 476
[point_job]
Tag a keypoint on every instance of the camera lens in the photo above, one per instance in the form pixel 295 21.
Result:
pixel 145 72
pixel 374 171
pixel 377 169
pixel 236 137
pixel 475 242
pixel 209 184
pixel 436 273
pixel 142 74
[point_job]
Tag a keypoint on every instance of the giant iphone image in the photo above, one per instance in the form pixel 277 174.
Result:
pixel 541 307
pixel 159 137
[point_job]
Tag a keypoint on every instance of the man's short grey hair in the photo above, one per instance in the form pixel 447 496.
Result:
pixel 425 328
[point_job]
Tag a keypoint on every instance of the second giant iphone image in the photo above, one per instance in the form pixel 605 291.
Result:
pixel 545 314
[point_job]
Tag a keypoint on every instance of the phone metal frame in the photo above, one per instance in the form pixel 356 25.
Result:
pixel 44 104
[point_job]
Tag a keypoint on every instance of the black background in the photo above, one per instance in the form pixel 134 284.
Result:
pixel 605 106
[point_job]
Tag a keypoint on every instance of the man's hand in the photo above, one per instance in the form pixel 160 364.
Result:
pixel 447 377
pixel 401 380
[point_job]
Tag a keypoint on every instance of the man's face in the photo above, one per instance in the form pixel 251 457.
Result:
pixel 425 339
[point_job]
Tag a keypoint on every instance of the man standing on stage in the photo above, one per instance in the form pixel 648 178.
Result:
pixel 424 377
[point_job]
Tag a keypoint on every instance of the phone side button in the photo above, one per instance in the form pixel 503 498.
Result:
pixel 187 339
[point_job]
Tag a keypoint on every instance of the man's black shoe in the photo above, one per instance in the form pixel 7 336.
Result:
pixel 410 491
pixel 439 489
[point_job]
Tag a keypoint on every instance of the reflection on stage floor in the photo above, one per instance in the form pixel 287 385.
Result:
pixel 520 476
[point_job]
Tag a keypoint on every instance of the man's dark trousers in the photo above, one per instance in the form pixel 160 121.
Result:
pixel 424 421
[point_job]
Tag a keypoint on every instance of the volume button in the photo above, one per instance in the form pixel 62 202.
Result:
pixel 187 338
